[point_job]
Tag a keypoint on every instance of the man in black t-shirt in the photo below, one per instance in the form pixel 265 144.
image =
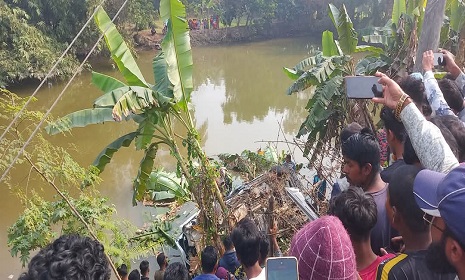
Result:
pixel 407 218
pixel 144 270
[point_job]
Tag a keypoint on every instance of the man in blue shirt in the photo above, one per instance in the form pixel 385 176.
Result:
pixel 229 259
pixel 209 262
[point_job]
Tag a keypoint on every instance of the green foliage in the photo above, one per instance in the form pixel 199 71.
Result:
pixel 328 45
pixel 164 186
pixel 348 38
pixel 80 119
pixel 399 8
pixel 105 156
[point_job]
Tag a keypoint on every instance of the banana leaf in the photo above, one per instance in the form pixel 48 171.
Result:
pixel 310 61
pixel 145 168
pixel 161 181
pixel 105 156
pixel 347 37
pixel 328 45
pixel 120 53
pixel 177 48
pixel 146 129
pixel 292 73
pixel 162 82
pixel 315 76
pixel 106 83
pixel 134 100
pixel 80 118
pixel 371 49
pixel 398 8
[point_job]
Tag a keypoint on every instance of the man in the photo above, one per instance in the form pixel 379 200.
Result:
pixel 123 272
pixel 357 212
pixel 362 168
pixel 395 134
pixel 229 259
pixel 69 257
pixel 176 271
pixel 134 275
pixel 407 218
pixel 162 263
pixel 144 270
pixel 323 251
pixel 443 197
pixel 246 239
pixel 209 262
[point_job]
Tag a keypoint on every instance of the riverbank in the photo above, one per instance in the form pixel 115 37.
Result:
pixel 144 40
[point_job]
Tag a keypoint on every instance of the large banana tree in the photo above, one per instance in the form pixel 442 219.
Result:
pixel 329 109
pixel 154 108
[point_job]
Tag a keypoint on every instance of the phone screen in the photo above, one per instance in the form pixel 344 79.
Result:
pixel 363 87
pixel 438 59
pixel 281 268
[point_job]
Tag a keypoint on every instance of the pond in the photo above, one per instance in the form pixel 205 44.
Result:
pixel 239 102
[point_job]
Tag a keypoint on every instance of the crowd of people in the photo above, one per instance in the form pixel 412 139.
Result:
pixel 403 221
pixel 212 23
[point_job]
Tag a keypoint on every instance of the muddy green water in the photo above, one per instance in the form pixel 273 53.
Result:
pixel 239 99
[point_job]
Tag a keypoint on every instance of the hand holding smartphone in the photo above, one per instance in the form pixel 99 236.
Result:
pixel 282 268
pixel 439 59
pixel 363 87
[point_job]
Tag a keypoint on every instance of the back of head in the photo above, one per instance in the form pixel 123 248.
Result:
pixel 350 130
pixel 176 271
pixel 134 275
pixel 161 259
pixel 357 212
pixel 402 198
pixel 122 270
pixel 363 148
pixel 414 87
pixel 70 257
pixel 391 123
pixel 246 239
pixel 144 267
pixel 324 251
pixel 410 156
pixel 209 259
pixel 450 139
pixel 227 243
pixel 452 94
pixel 457 128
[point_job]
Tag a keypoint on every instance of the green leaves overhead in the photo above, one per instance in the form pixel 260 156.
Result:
pixel 177 49
pixel 347 37
pixel 106 83
pixel 105 156
pixel 328 45
pixel 399 7
pixel 119 50
pixel 318 107
pixel 80 119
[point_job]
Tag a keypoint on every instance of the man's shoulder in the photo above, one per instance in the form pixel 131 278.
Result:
pixel 407 267
pixel 206 277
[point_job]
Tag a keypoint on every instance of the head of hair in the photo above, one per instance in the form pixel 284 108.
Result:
pixel 69 257
pixel 391 123
pixel 357 212
pixel 415 88
pixel 227 242
pixel 402 198
pixel 264 248
pixel 363 148
pixel 176 271
pixel 452 94
pixel 134 275
pixel 122 270
pixel 456 127
pixel 246 239
pixel 350 130
pixel 209 259
pixel 450 139
pixel 410 156
pixel 161 259
pixel 144 267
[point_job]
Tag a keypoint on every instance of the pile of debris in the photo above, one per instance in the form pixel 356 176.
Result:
pixel 271 198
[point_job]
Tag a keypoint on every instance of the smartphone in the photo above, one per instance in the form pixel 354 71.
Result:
pixel 439 59
pixel 363 87
pixel 282 268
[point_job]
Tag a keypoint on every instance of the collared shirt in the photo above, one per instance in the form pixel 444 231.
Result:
pixel 429 144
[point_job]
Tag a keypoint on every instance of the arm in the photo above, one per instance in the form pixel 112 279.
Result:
pixel 433 92
pixel 429 144
pixel 454 70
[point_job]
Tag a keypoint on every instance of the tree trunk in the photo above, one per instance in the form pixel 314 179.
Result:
pixel 431 30
pixel 460 58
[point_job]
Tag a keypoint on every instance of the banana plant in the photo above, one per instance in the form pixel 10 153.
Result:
pixel 324 71
pixel 154 107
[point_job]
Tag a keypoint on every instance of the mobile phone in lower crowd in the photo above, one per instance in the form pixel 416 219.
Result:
pixel 282 268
